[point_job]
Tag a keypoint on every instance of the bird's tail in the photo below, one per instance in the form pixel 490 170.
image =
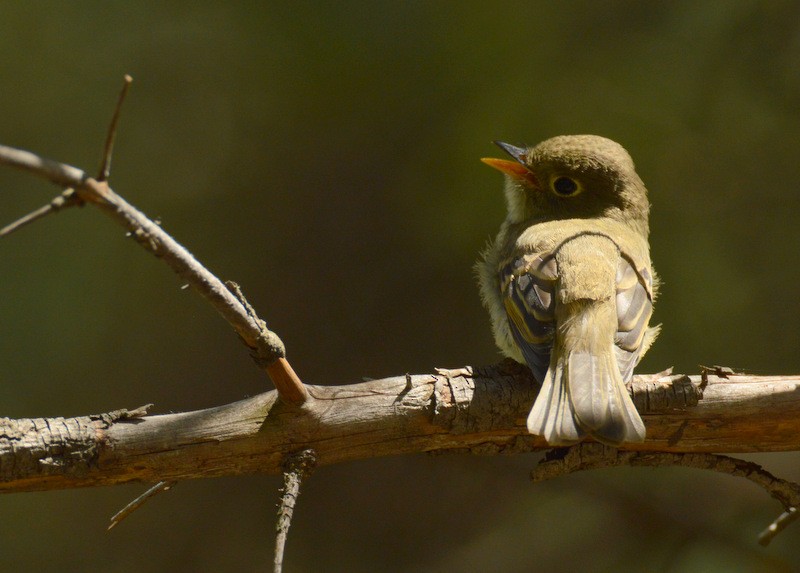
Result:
pixel 584 394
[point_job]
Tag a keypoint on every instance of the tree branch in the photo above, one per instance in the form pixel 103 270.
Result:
pixel 592 456
pixel 483 413
pixel 160 487
pixel 108 150
pixel 297 467
pixel 266 348
pixel 465 410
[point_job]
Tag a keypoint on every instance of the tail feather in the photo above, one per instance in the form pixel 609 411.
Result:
pixel 552 415
pixel 600 399
pixel 584 394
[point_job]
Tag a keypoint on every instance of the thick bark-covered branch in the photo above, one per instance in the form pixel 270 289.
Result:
pixel 480 413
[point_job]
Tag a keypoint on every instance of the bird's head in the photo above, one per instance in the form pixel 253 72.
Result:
pixel 572 176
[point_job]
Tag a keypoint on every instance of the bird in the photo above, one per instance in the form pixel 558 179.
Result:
pixel 569 284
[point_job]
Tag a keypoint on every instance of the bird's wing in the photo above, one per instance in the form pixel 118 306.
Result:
pixel 528 285
pixel 635 292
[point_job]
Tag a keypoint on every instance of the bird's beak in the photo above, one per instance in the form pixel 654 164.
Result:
pixel 515 169
pixel 511 168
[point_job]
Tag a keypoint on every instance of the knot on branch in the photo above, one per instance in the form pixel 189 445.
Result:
pixel 269 347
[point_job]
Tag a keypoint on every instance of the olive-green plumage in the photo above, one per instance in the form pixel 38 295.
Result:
pixel 569 285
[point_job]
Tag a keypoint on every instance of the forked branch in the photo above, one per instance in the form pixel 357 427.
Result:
pixel 266 347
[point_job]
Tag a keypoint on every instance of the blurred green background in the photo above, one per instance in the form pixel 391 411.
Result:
pixel 325 156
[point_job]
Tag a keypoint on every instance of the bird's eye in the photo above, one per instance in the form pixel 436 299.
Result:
pixel 565 186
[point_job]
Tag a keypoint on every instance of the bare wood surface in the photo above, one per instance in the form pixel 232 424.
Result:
pixel 483 413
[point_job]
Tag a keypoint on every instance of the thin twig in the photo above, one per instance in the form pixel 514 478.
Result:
pixel 778 525
pixel 586 456
pixel 67 198
pixel 297 467
pixel 267 348
pixel 139 501
pixel 288 384
pixel 108 149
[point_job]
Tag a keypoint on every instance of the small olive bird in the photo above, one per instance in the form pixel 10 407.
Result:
pixel 569 285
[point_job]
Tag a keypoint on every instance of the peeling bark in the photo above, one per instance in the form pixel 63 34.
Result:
pixel 479 413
